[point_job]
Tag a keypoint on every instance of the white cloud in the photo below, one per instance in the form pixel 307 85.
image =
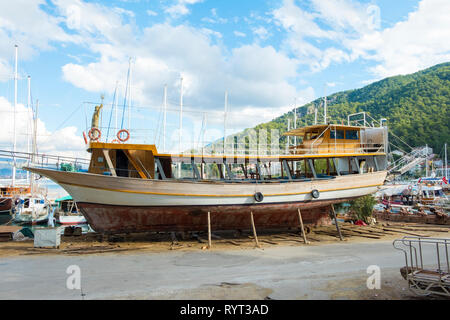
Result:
pixel 65 142
pixel 239 34
pixel 24 23
pixel 416 43
pixel 261 32
pixel 180 8
pixel 151 13
pixel 347 30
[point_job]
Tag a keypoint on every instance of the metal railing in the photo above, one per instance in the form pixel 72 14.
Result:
pixel 21 159
pixel 427 267
pixel 240 149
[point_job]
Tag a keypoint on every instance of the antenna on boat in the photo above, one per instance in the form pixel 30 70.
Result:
pixel 315 115
pixel 164 117
pixel 289 129
pixel 14 121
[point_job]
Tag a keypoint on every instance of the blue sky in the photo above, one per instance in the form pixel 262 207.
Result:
pixel 265 54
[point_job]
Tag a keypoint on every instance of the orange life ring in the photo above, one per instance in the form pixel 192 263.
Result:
pixel 115 141
pixel 91 134
pixel 120 138
pixel 85 138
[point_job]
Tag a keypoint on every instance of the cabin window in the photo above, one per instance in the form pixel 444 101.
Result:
pixel 314 135
pixel 336 134
pixel 121 164
pixel 351 135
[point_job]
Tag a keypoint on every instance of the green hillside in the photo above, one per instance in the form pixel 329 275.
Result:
pixel 417 107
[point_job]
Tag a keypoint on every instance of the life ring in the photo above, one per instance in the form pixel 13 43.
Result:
pixel 410 187
pixel 315 194
pixel 120 138
pixel 85 138
pixel 258 197
pixel 115 141
pixel 91 134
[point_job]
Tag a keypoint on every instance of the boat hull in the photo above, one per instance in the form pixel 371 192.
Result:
pixel 110 218
pixel 117 204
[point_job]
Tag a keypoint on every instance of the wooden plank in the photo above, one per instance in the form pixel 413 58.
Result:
pixel 254 230
pixel 135 164
pixel 209 230
pixel 301 226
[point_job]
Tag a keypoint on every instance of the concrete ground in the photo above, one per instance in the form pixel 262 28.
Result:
pixel 329 271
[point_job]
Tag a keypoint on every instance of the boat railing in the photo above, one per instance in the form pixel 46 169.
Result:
pixel 63 163
pixel 326 149
pixel 427 264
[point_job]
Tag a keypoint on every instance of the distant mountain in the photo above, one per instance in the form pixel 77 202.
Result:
pixel 417 107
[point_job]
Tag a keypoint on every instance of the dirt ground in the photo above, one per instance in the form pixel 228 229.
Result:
pixel 93 243
pixel 345 287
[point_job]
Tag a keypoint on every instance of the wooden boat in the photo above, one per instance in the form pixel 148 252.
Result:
pixel 67 212
pixel 133 187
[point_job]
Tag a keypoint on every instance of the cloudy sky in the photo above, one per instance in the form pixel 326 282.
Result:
pixel 267 54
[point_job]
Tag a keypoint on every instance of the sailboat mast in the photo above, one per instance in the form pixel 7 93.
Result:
pixel 28 120
pixel 34 151
pixel 181 114
pixel 165 117
pixel 129 99
pixel 446 171
pixel 14 121
pixel 325 106
pixel 225 122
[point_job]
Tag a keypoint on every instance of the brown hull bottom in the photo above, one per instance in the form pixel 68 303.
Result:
pixel 115 219
pixel 5 204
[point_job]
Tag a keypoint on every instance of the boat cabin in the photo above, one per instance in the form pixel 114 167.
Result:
pixel 325 152
pixel 338 139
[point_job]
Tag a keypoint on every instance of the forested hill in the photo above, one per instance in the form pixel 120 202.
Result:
pixel 416 106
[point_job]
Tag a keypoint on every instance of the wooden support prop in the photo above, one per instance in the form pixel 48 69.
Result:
pixel 336 222
pixel 209 230
pixel 301 226
pixel 254 230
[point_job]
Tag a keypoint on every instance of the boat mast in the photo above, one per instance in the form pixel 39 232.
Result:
pixel 287 143
pixel 295 127
pixel 325 106
pixel 181 114
pixel 28 121
pixel 181 123
pixel 129 99
pixel 426 161
pixel 446 173
pixel 225 122
pixel 34 151
pixel 14 121
pixel 165 117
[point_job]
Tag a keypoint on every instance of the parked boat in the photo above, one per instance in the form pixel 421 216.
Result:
pixel 8 200
pixel 67 212
pixel 133 187
pixel 32 210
